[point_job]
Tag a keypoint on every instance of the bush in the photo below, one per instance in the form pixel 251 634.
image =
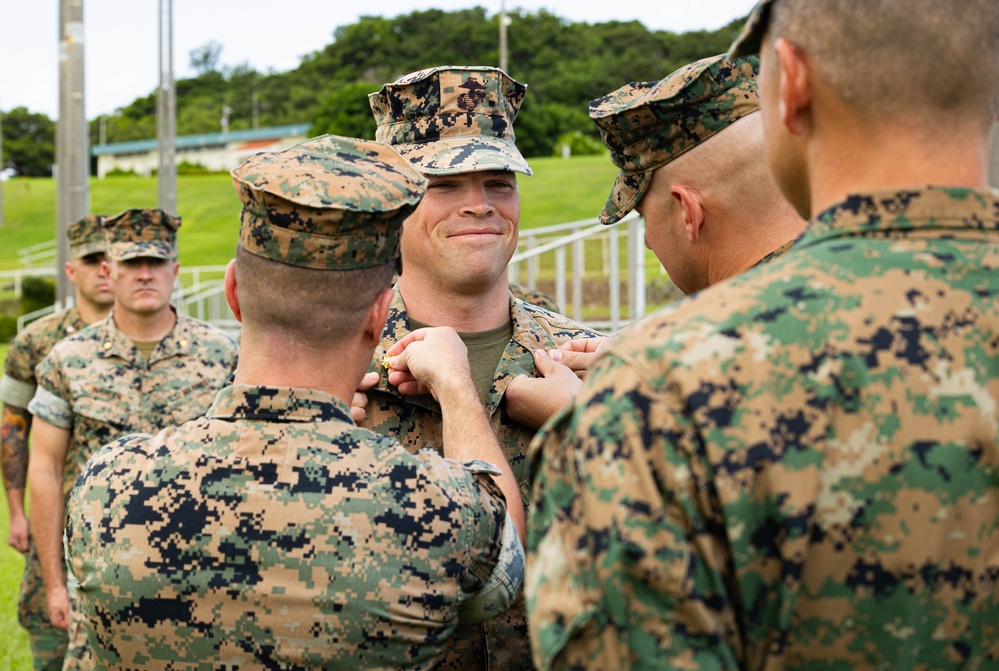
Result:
pixel 188 168
pixel 576 143
pixel 8 329
pixel 36 293
pixel 120 172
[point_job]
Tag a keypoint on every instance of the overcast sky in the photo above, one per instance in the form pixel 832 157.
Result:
pixel 121 36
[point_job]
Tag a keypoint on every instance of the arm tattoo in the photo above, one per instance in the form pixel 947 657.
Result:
pixel 14 446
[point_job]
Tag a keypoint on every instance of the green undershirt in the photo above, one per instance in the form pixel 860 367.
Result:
pixel 145 348
pixel 485 349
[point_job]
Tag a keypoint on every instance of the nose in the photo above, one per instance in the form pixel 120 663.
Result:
pixel 477 203
pixel 144 271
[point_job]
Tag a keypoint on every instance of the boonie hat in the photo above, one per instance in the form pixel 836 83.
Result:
pixel 329 203
pixel 450 120
pixel 140 233
pixel 648 124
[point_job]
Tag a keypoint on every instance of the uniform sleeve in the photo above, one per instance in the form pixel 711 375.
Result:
pixel 625 565
pixel 495 566
pixel 17 385
pixel 51 399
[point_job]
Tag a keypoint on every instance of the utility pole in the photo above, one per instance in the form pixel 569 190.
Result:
pixel 166 115
pixel 72 142
pixel 504 21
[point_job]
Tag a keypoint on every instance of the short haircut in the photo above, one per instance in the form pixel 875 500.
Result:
pixel 922 59
pixel 311 307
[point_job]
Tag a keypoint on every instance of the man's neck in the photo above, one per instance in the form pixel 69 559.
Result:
pixel 468 313
pixel 895 158
pixel 90 312
pixel 270 360
pixel 142 327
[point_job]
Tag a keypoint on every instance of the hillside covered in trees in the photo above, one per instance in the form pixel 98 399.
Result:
pixel 564 64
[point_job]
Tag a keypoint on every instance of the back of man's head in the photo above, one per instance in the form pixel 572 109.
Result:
pixel 893 59
pixel 319 235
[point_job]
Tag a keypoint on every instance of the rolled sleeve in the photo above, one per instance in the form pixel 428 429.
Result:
pixel 52 409
pixel 502 587
pixel 16 393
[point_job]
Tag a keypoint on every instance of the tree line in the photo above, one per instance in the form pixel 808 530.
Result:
pixel 565 65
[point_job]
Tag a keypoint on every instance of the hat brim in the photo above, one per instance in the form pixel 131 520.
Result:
pixel 123 251
pixel 451 156
pixel 750 39
pixel 86 249
pixel 628 189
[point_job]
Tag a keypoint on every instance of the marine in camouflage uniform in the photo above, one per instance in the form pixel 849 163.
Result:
pixel 794 469
pixel 95 387
pixel 93 296
pixel 273 532
pixel 450 122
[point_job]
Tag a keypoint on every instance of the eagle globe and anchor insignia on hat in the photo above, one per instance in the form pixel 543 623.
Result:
pixel 450 120
pixel 329 203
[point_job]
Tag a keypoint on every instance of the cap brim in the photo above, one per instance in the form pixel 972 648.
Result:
pixel 628 189
pixel 123 251
pixel 86 249
pixel 451 156
pixel 751 38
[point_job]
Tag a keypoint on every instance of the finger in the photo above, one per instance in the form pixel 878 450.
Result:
pixel 583 344
pixel 546 365
pixel 368 381
pixel 398 377
pixel 412 336
pixel 413 388
pixel 577 361
pixel 358 414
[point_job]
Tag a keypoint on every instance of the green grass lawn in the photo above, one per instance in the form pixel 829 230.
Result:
pixel 560 190
pixel 14 652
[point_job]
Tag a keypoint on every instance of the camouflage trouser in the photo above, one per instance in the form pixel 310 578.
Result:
pixel 48 643
pixel 78 654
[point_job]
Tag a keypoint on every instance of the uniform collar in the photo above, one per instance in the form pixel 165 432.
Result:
pixel 115 344
pixel 924 208
pixel 280 404
pixel 517 359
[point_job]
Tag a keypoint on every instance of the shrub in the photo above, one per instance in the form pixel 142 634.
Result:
pixel 36 293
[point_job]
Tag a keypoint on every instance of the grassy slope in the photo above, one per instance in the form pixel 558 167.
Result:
pixel 560 190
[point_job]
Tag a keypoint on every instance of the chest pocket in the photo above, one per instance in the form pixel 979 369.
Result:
pixel 102 409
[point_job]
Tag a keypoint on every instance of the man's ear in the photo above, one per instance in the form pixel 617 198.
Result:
pixel 794 87
pixel 231 295
pixel 106 269
pixel 693 210
pixel 70 272
pixel 377 314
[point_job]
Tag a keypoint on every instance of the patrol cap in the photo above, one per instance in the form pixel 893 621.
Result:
pixel 749 40
pixel 86 236
pixel 141 232
pixel 450 120
pixel 648 124
pixel 329 203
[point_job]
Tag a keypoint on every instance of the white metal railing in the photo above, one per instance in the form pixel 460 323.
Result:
pixel 200 292
pixel 37 253
pixel 535 242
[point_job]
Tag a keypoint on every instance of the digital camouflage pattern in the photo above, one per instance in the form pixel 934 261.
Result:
pixel 416 422
pixel 329 203
pixel 275 534
pixel 648 124
pixel 141 232
pixel 27 350
pixel 450 120
pixel 534 297
pixel 748 41
pixel 794 469
pixel 97 385
pixel 29 347
pixel 86 236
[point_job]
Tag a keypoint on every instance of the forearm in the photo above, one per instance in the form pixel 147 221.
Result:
pixel 47 511
pixel 467 434
pixel 14 430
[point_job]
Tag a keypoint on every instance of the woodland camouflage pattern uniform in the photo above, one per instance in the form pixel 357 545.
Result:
pixel 17 387
pixel 274 533
pixel 453 120
pixel 792 469
pixel 96 385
